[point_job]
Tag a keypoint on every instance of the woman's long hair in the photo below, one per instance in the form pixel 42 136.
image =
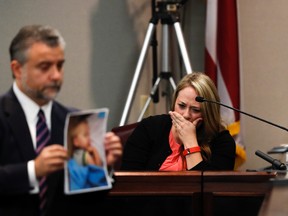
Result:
pixel 212 123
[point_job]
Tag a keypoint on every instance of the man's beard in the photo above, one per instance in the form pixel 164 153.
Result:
pixel 43 94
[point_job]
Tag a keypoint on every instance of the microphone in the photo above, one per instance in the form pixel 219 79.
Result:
pixel 276 164
pixel 201 99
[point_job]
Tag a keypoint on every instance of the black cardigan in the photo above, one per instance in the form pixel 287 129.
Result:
pixel 148 147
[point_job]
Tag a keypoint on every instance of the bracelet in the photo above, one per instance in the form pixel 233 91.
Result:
pixel 189 151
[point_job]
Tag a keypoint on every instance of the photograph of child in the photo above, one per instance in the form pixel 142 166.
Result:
pixel 85 165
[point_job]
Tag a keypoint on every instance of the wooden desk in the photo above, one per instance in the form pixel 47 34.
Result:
pixel 276 202
pixel 235 193
pixel 156 183
pixel 192 193
pixel 157 193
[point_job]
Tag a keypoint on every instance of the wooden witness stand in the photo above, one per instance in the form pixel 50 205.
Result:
pixel 198 193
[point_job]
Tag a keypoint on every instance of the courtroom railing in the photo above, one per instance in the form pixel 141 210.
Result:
pixel 210 192
pixel 156 183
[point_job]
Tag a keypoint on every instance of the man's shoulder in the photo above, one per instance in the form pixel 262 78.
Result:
pixel 9 102
pixel 8 94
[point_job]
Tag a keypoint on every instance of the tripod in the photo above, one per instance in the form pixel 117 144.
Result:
pixel 168 14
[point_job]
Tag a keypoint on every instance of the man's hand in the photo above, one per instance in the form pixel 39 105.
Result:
pixel 50 159
pixel 113 148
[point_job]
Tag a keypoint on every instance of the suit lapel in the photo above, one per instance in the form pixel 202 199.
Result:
pixel 58 116
pixel 19 127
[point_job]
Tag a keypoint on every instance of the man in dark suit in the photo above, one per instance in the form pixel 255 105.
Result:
pixel 37 59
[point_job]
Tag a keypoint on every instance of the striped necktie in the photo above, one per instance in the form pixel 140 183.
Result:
pixel 42 138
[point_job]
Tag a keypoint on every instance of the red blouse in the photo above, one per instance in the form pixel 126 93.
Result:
pixel 173 162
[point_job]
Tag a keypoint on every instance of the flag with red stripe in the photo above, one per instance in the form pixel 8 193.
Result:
pixel 222 64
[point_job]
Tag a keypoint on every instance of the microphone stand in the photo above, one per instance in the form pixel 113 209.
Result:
pixel 201 99
pixel 275 163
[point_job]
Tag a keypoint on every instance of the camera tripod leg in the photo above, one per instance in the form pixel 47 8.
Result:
pixel 154 89
pixel 137 73
pixel 165 65
pixel 182 46
pixel 165 75
pixel 172 82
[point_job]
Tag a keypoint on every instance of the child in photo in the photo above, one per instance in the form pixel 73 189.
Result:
pixel 85 163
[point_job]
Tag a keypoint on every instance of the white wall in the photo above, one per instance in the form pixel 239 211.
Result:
pixel 264 54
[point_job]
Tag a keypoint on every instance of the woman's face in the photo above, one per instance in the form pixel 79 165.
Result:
pixel 186 105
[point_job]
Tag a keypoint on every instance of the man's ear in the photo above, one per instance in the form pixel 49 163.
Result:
pixel 16 68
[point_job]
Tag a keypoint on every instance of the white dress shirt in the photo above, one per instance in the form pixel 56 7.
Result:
pixel 31 110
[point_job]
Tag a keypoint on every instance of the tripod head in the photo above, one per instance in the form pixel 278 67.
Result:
pixel 167 11
pixel 175 2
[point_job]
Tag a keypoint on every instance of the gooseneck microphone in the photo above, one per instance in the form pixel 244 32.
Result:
pixel 201 99
pixel 276 164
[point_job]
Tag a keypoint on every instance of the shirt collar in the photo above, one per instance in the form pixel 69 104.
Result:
pixel 30 108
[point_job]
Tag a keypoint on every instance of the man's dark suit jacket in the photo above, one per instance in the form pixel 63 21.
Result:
pixel 16 149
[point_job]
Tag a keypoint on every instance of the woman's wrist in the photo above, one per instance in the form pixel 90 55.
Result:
pixel 188 151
